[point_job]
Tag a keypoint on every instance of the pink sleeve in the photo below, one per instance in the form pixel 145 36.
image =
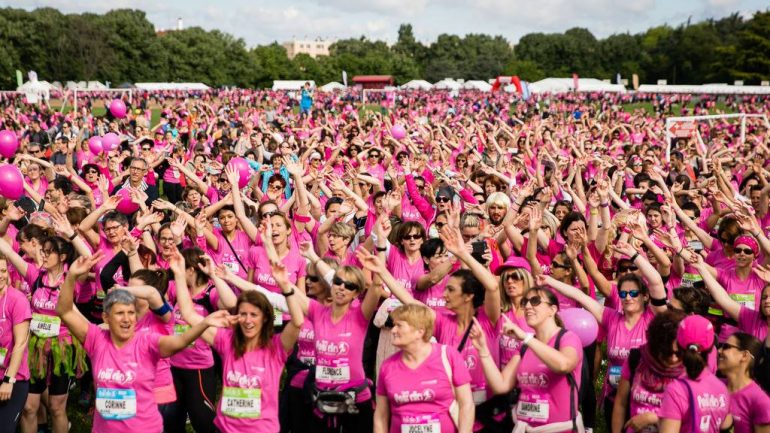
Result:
pixel 675 402
pixel 32 273
pixel 460 373
pixel 426 210
pixel 467 196
pixel 92 339
pixel 20 309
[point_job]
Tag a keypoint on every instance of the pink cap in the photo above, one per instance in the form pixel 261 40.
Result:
pixel 695 332
pixel 513 262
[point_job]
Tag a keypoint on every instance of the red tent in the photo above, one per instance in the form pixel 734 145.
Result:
pixel 373 81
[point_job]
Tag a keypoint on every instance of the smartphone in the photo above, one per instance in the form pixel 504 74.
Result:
pixel 479 248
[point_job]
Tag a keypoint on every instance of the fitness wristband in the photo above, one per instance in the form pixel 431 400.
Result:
pixel 165 308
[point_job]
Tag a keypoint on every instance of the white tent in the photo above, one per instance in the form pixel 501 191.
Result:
pixel 171 86
pixel 447 84
pixel 291 84
pixel 417 85
pixel 36 89
pixel 565 85
pixel 477 85
pixel 330 87
pixel 710 89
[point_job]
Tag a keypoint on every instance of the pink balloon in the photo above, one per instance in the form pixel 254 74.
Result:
pixel 348 108
pixel 118 108
pixel 126 206
pixel 8 143
pixel 242 167
pixel 582 323
pixel 110 141
pixel 95 145
pixel 398 132
pixel 11 182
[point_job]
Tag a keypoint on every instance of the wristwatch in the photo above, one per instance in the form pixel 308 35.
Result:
pixel 289 293
pixel 9 379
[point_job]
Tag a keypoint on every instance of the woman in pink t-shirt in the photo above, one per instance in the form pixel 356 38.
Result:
pixel 417 385
pixel 253 356
pixel 15 314
pixel 699 401
pixel 123 360
pixel 548 377
pixel 749 405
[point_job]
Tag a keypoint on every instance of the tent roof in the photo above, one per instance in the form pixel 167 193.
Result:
pixel 171 86
pixel 372 79
pixel 477 85
pixel 711 89
pixel 447 84
pixel 36 86
pixel 564 85
pixel 417 84
pixel 291 84
pixel 328 87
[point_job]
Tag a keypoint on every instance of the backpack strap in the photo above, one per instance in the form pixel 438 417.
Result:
pixel 573 387
pixel 205 301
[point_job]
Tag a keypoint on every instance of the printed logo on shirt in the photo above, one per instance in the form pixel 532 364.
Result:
pixel 243 380
pixel 435 302
pixel 470 361
pixel 265 279
pixel 306 334
pixel 531 379
pixel 707 401
pixel 43 304
pixel 331 348
pixel 414 396
pixel 116 376
pixel 619 352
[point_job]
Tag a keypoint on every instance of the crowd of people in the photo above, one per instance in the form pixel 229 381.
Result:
pixel 354 278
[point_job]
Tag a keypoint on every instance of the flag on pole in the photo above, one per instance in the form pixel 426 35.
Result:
pixel 575 82
pixel 617 79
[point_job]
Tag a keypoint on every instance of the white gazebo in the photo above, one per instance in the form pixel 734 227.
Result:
pixel 331 87
pixel 477 85
pixel 292 84
pixel 417 85
pixel 447 84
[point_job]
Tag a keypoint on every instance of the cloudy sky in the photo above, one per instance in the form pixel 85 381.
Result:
pixel 264 21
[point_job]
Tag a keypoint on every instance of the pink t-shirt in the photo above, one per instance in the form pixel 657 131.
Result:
pixel 749 406
pixel 746 292
pixel 305 352
pixel 752 322
pixel 646 393
pixel 250 386
pixel 339 348
pixel 199 355
pixel 620 340
pixel 422 395
pixel 545 394
pixel 711 403
pixel 509 345
pixel 15 310
pixel 150 322
pixel 404 272
pixel 44 303
pixel 124 379
pixel 447 332
pixel 263 273
pixel 433 296
pixel 228 257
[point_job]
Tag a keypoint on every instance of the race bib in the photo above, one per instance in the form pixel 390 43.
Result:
pixel 44 325
pixel 745 299
pixel 242 403
pixel 116 404
pixel 278 314
pixel 479 396
pixel 307 360
pixel 420 424
pixel 536 410
pixel 232 267
pixel 337 373
pixel 100 295
pixel 689 280
pixel 181 329
pixel 3 353
pixel 613 375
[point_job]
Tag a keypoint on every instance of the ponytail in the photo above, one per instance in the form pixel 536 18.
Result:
pixel 694 361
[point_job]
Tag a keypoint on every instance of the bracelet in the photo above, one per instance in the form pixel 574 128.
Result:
pixel 633 258
pixel 606 204
pixel 680 251
pixel 289 293
pixel 756 235
pixel 74 235
pixel 527 339
pixel 382 250
pixel 131 255
pixel 658 302
pixel 165 308
pixel 485 356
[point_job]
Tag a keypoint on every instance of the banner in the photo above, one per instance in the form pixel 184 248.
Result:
pixel 575 81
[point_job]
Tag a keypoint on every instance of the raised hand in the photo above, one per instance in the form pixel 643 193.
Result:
pixel 178 227
pixel 220 319
pixel 82 265
pixel 369 261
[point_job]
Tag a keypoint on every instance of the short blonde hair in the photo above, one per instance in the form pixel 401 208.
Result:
pixel 550 220
pixel 342 230
pixel 499 199
pixel 418 316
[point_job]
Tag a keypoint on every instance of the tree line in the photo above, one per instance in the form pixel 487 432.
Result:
pixel 122 46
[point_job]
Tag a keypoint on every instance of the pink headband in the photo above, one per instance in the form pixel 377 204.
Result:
pixel 748 241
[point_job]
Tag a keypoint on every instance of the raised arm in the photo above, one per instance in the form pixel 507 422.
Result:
pixel 65 306
pixel 248 226
pixel 184 300
pixel 720 295
pixel 291 330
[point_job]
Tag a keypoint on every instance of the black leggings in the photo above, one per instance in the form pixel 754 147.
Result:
pixel 173 191
pixel 347 423
pixel 299 416
pixel 587 391
pixel 195 397
pixel 10 411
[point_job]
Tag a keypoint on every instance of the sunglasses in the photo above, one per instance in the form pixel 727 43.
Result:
pixel 623 294
pixel 559 265
pixel 624 269
pixel 513 276
pixel 411 237
pixel 146 149
pixel 268 214
pixel 745 251
pixel 374 155
pixel 92 172
pixel 533 301
pixel 442 199
pixel 419 186
pixel 276 187
pixel 353 287
pixel 312 278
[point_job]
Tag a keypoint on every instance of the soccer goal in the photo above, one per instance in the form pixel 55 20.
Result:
pixel 75 93
pixel 687 127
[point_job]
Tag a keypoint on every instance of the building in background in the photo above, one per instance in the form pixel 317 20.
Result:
pixel 312 48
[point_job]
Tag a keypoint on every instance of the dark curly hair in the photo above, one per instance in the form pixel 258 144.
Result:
pixel 662 330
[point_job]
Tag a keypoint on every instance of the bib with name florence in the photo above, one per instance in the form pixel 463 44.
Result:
pixel 116 404
pixel 44 325
pixel 3 354
pixel 337 373
pixel 242 403
pixel 420 424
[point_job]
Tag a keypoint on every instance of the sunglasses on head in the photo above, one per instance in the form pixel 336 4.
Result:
pixel 353 287
pixel 442 199
pixel 623 294
pixel 412 237
pixel 746 251
pixel 533 301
